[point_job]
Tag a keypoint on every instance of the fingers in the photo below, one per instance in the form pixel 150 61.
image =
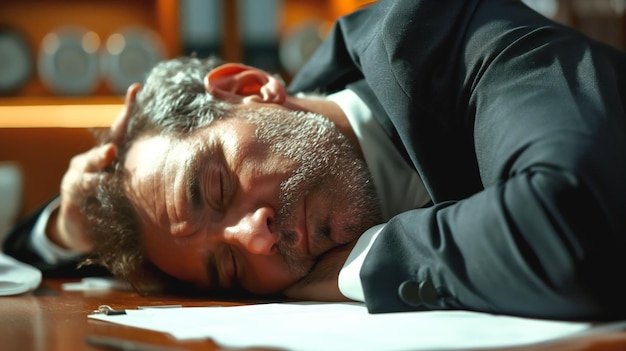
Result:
pixel 96 159
pixel 86 171
pixel 322 283
pixel 88 184
pixel 105 155
pixel 118 128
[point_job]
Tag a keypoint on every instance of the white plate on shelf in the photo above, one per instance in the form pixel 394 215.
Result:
pixel 16 62
pixel 68 61
pixel 128 55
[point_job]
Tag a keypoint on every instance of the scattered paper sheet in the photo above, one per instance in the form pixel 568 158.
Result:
pixel 343 326
pixel 97 283
pixel 17 277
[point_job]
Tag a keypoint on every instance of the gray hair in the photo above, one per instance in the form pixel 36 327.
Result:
pixel 172 101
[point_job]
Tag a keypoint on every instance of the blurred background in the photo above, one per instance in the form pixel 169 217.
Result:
pixel 65 64
pixel 99 47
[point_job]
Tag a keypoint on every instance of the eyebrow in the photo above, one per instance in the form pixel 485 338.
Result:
pixel 192 183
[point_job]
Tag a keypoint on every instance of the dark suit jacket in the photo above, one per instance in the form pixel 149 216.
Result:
pixel 17 244
pixel 517 127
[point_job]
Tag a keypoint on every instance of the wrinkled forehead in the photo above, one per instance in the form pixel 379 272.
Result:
pixel 152 164
pixel 146 155
pixel 157 162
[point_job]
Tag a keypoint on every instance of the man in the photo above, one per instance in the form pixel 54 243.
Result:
pixel 228 195
pixel 514 124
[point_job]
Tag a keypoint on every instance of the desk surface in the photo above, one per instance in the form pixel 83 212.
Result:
pixel 51 319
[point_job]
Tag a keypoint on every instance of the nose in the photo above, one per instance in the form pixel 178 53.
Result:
pixel 255 232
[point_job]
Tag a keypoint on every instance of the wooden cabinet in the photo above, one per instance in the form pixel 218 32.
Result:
pixel 40 129
pixel 33 20
pixel 41 134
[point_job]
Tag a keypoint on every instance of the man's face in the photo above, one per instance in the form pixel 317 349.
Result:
pixel 249 202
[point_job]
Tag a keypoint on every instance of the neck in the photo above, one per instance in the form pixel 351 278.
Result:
pixel 329 110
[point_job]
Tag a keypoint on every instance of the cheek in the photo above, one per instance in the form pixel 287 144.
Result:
pixel 266 277
pixel 177 259
pixel 267 172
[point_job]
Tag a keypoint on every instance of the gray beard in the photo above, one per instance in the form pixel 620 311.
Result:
pixel 327 163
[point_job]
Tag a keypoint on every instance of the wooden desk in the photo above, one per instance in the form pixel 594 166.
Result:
pixel 51 319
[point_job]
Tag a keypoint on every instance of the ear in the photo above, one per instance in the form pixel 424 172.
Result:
pixel 240 84
pixel 118 127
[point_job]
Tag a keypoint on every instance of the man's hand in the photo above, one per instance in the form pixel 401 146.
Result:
pixel 66 226
pixel 322 284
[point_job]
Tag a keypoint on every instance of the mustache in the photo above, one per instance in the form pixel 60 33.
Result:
pixel 292 190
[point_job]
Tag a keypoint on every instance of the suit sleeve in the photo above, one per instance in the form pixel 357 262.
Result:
pixel 19 244
pixel 517 127
pixel 545 236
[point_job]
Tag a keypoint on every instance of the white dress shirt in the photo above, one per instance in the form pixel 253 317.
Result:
pixel 398 186
pixel 49 251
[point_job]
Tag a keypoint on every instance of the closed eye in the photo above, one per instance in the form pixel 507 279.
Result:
pixel 227 273
pixel 216 189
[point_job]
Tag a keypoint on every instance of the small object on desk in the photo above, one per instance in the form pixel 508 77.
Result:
pixel 158 306
pixel 109 311
pixel 97 283
pixel 106 309
pixel 126 345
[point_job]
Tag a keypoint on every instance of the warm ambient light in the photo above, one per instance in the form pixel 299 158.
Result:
pixel 91 42
pixel 50 43
pixel 58 116
pixel 116 44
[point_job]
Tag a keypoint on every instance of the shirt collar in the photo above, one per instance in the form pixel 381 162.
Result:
pixel 398 186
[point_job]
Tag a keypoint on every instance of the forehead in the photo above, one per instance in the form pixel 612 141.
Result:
pixel 160 168
pixel 148 154
pixel 157 166
pixel 151 163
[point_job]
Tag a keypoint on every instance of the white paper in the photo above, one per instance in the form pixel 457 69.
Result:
pixel 17 277
pixel 344 326
pixel 97 283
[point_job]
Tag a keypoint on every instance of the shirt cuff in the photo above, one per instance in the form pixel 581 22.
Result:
pixel 49 251
pixel 349 276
